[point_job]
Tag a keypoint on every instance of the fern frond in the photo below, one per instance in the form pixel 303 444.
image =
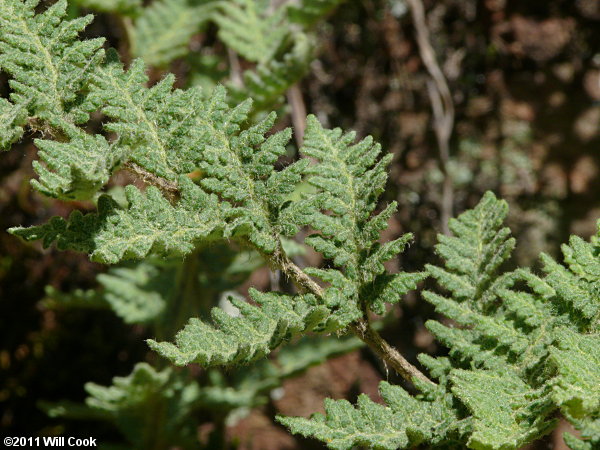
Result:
pixel 77 168
pixel 169 133
pixel 162 31
pixel 577 386
pixel 349 178
pixel 134 403
pixel 149 224
pixel 137 294
pixel 270 80
pixel 237 340
pixel 12 120
pixel 479 246
pixel 512 332
pixel 50 68
pixel 251 29
pixel 240 170
pixel 51 76
pixel 507 412
pixel 509 331
pixel 405 422
pixel 156 125
pixel 577 286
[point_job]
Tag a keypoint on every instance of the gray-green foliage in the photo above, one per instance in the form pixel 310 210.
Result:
pixel 12 119
pixel 162 407
pixel 162 31
pixel 521 347
pixel 275 36
pixel 148 223
pixel 402 423
pixel 237 340
pixel 272 78
pixel 50 68
pixel 152 406
pixel 252 28
pixel 138 402
pixel 349 177
pixel 165 134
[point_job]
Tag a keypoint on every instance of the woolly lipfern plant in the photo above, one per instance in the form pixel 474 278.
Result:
pixel 522 346
pixel 152 406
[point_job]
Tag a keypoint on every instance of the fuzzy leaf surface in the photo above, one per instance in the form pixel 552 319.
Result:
pixel 149 224
pixel 49 66
pixel 252 335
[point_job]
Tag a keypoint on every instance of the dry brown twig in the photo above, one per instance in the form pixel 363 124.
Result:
pixel 441 105
pixel 298 112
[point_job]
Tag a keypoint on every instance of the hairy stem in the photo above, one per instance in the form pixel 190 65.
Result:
pixel 279 260
pixel 298 111
pixel 362 327
pixel 168 188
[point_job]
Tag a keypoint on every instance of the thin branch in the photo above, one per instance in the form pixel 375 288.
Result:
pixel 235 69
pixel 298 111
pixel 279 261
pixel 168 188
pixel 296 274
pixel 441 104
pixel 362 327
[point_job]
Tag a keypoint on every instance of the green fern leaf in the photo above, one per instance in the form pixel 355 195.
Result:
pixel 349 179
pixel 51 76
pixel 162 31
pixel 237 340
pixel 157 126
pixel 12 120
pixel 511 332
pixel 577 386
pixel 251 29
pixel 405 422
pixel 479 246
pixel 75 169
pixel 133 403
pixel 50 68
pixel 240 170
pixel 270 80
pixel 507 412
pixel 149 224
pixel 137 294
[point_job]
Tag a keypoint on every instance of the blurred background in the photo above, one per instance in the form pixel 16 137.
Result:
pixel 519 115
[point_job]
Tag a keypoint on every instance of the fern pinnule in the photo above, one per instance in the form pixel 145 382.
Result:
pixel 51 70
pixel 162 31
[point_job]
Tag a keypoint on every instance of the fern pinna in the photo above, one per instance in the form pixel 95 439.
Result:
pixel 522 346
